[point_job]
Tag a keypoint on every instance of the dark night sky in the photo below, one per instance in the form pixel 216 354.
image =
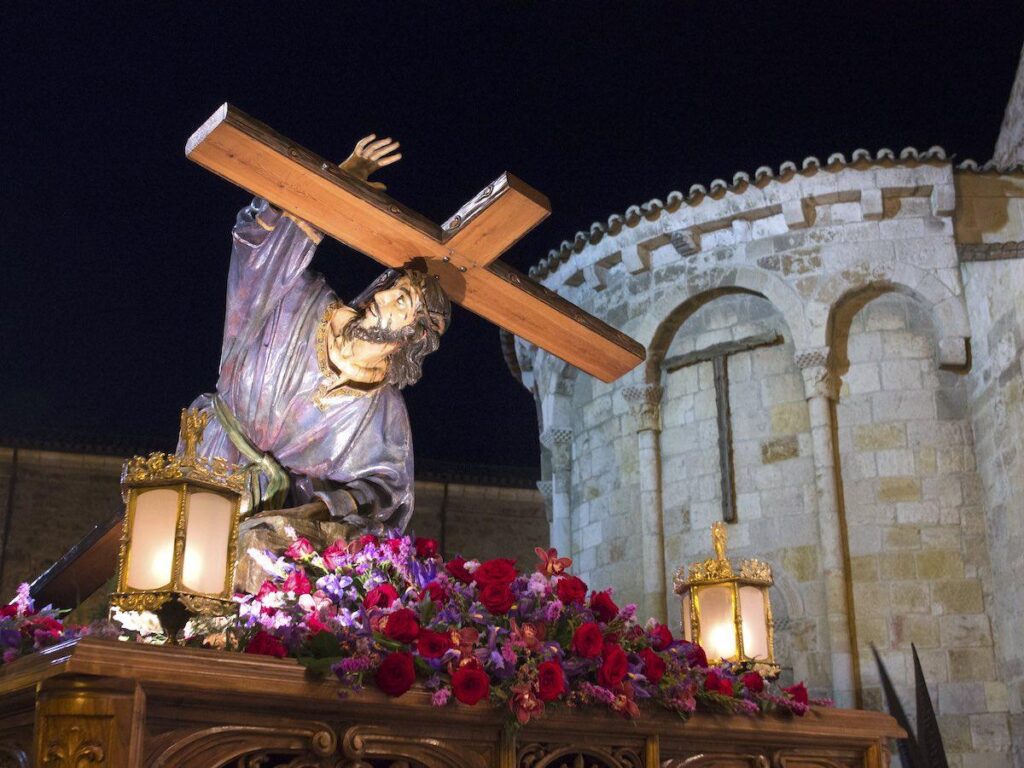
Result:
pixel 114 247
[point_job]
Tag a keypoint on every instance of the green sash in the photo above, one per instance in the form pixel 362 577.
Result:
pixel 260 463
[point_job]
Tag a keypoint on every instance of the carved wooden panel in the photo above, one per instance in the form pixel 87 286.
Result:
pixel 719 760
pixel 538 755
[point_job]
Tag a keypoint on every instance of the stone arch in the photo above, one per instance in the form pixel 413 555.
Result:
pixel 656 329
pixel 947 309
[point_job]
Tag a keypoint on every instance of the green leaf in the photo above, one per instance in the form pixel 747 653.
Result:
pixel 323 645
pixel 318 667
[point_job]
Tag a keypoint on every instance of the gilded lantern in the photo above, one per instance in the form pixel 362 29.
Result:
pixel 727 610
pixel 180 528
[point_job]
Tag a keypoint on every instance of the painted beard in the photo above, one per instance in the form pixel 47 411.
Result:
pixel 375 334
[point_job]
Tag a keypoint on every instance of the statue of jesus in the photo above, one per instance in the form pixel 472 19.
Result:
pixel 308 394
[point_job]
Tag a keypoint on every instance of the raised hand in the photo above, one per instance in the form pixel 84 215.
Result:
pixel 369 155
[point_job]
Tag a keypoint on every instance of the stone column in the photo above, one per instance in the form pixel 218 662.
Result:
pixel 821 388
pixel 645 403
pixel 544 486
pixel 559 442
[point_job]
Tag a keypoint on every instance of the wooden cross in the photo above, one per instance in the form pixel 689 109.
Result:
pixel 718 355
pixel 462 252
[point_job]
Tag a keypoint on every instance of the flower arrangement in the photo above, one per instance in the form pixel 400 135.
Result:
pixel 391 612
pixel 24 629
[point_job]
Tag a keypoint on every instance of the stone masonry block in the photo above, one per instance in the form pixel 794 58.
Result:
pixel 921 630
pixel 878 437
pixel 895 489
pixel 871 203
pixel 958 596
pixel 939 564
pixel 790 418
pixel 779 449
pixel 961 698
pixel 965 631
pixel 972 664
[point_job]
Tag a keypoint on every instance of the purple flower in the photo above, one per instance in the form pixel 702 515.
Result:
pixel 440 697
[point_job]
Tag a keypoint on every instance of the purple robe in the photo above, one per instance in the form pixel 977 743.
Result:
pixel 352 448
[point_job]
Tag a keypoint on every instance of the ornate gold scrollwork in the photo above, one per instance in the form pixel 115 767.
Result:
pixel 73 749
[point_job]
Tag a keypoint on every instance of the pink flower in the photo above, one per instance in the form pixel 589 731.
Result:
pixel 334 556
pixel 297 582
pixel 299 549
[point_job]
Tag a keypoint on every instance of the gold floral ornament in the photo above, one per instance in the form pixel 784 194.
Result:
pixel 727 609
pixel 180 530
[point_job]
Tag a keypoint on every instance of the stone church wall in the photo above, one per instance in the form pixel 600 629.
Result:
pixel 59 497
pixel 853 440
pixel 995 295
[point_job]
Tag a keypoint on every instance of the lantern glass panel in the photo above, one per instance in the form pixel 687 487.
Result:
pixel 687 626
pixel 717 627
pixel 206 542
pixel 152 538
pixel 755 628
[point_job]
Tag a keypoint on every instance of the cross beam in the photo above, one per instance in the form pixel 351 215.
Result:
pixel 718 356
pixel 462 252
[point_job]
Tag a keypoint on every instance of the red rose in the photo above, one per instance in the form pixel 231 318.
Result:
pixel 394 545
pixel 654 665
pixel 571 589
pixel 402 625
pixel 500 570
pixel 603 607
pixel 614 665
pixel 435 591
pixel 297 582
pixel 587 640
pixel 470 684
pixel 266 644
pixel 753 682
pixel 43 627
pixel 380 597
pixel 661 637
pixel 427 548
pixel 717 683
pixel 335 554
pixel 695 655
pixel 457 568
pixel 366 539
pixel 8 610
pixel 396 674
pixel 432 645
pixel 550 681
pixel 497 597
pixel 798 693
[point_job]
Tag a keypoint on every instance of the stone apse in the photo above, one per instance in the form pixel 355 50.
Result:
pixel 867 314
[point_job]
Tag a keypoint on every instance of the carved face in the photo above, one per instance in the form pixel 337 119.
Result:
pixel 393 309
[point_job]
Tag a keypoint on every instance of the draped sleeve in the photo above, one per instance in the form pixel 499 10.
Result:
pixel 270 251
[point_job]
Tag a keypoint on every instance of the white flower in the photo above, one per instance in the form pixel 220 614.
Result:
pixel 143 622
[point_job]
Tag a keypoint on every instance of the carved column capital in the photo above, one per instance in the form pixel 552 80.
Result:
pixel 819 378
pixel 558 440
pixel 645 404
pixel 565 386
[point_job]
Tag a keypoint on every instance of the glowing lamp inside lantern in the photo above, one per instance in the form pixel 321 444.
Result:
pixel 727 610
pixel 181 523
